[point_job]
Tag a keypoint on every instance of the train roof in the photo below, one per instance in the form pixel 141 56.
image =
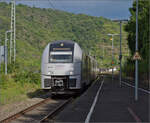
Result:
pixel 70 42
pixel 64 41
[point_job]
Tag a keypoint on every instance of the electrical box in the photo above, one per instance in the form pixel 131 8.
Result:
pixel 1 54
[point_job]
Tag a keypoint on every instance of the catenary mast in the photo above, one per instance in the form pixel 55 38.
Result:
pixel 13 31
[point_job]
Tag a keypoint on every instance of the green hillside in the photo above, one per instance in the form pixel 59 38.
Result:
pixel 36 27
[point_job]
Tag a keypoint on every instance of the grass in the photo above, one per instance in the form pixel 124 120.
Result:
pixel 11 90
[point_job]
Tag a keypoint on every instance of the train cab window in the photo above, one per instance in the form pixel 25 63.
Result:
pixel 61 57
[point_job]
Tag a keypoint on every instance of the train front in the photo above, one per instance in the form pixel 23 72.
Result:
pixel 61 70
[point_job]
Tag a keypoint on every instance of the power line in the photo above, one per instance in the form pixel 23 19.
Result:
pixel 51 4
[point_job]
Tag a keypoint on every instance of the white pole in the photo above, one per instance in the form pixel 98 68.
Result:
pixel 103 53
pixel 120 57
pixel 112 52
pixel 5 51
pixel 0 55
pixel 112 57
pixel 136 49
pixel 11 35
pixel 14 31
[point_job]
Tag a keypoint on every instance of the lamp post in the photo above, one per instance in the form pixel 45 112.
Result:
pixel 0 55
pixel 5 51
pixel 136 49
pixel 112 35
pixel 120 56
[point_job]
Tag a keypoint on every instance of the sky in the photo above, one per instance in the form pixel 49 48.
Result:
pixel 112 9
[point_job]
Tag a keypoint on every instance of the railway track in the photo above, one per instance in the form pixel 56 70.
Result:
pixel 50 114
pixel 56 111
pixel 15 116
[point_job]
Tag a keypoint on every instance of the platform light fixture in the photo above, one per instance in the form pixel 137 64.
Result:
pixel 112 37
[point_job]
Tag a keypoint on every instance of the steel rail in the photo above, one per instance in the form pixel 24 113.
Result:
pixel 15 116
pixel 55 111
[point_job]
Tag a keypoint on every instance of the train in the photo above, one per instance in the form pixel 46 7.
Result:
pixel 65 68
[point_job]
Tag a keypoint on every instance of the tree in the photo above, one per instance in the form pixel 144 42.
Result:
pixel 143 39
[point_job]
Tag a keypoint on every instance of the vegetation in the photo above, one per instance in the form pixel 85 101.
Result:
pixel 16 90
pixel 37 27
pixel 143 39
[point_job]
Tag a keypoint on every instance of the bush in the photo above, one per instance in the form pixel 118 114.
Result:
pixel 30 77
pixel 129 68
pixel 143 69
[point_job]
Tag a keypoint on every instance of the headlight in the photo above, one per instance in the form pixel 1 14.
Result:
pixel 50 72
pixel 71 72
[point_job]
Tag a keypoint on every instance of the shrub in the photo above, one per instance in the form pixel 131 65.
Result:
pixel 30 77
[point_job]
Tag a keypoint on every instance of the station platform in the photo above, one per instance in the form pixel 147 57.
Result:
pixel 106 101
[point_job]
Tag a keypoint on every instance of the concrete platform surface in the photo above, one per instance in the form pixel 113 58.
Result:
pixel 113 104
